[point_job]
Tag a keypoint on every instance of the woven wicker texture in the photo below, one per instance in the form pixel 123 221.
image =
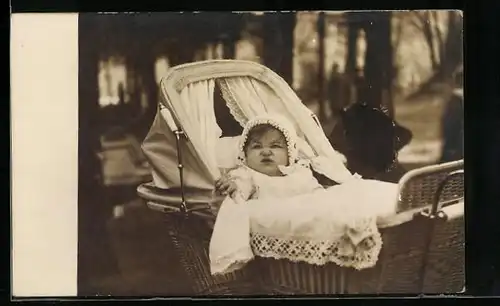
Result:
pixel 399 268
pixel 397 271
pixel 190 237
pixel 418 187
pixel 289 278
pixel 400 265
pixel 445 267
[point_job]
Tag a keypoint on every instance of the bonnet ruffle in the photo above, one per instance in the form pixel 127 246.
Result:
pixel 280 123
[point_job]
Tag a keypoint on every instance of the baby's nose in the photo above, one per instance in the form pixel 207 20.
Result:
pixel 266 152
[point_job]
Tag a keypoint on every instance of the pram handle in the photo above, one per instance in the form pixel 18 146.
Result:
pixel 435 210
pixel 436 214
pixel 178 132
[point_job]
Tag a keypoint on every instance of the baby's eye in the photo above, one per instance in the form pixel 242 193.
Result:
pixel 255 146
pixel 276 145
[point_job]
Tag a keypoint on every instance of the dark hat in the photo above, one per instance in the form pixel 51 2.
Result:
pixel 367 127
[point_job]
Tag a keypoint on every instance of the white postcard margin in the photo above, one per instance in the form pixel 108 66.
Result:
pixel 44 150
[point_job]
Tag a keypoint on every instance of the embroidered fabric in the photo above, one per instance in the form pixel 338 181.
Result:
pixel 337 224
pixel 357 248
pixel 231 103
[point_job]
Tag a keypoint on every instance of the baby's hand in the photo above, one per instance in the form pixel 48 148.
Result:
pixel 225 185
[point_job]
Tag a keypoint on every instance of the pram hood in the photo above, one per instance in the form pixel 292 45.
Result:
pixel 249 89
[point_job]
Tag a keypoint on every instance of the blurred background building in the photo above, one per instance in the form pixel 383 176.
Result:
pixel 406 61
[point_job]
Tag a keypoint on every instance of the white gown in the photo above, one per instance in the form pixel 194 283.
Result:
pixel 293 217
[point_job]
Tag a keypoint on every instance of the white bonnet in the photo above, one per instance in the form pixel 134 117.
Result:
pixel 277 121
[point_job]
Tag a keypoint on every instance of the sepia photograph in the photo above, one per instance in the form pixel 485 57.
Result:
pixel 270 153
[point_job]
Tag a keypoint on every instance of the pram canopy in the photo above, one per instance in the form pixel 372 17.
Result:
pixel 249 89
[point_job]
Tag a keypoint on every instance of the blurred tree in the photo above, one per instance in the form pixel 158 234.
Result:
pixel 139 44
pixel 121 94
pixel 95 257
pixel 278 29
pixel 337 90
pixel 436 29
pixel 397 38
pixel 229 46
pixel 452 129
pixel 453 45
pixel 427 22
pixel 180 51
pixel 143 38
pixel 398 21
pixel 446 52
pixel 233 24
pixel 353 23
pixel 378 68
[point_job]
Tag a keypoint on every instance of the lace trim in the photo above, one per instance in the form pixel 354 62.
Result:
pixel 343 252
pixel 234 109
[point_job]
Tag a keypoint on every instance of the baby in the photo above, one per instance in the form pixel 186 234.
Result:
pixel 269 165
pixel 281 203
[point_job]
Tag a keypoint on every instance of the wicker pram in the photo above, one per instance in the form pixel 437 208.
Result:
pixel 423 244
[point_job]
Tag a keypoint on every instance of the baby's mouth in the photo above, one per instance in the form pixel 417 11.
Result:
pixel 266 160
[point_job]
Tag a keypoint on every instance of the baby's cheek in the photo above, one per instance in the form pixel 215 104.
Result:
pixel 253 157
pixel 249 154
pixel 283 157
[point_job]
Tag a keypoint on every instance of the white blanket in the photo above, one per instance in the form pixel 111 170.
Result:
pixel 337 225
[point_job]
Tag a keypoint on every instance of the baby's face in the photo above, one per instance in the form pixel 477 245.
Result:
pixel 266 152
